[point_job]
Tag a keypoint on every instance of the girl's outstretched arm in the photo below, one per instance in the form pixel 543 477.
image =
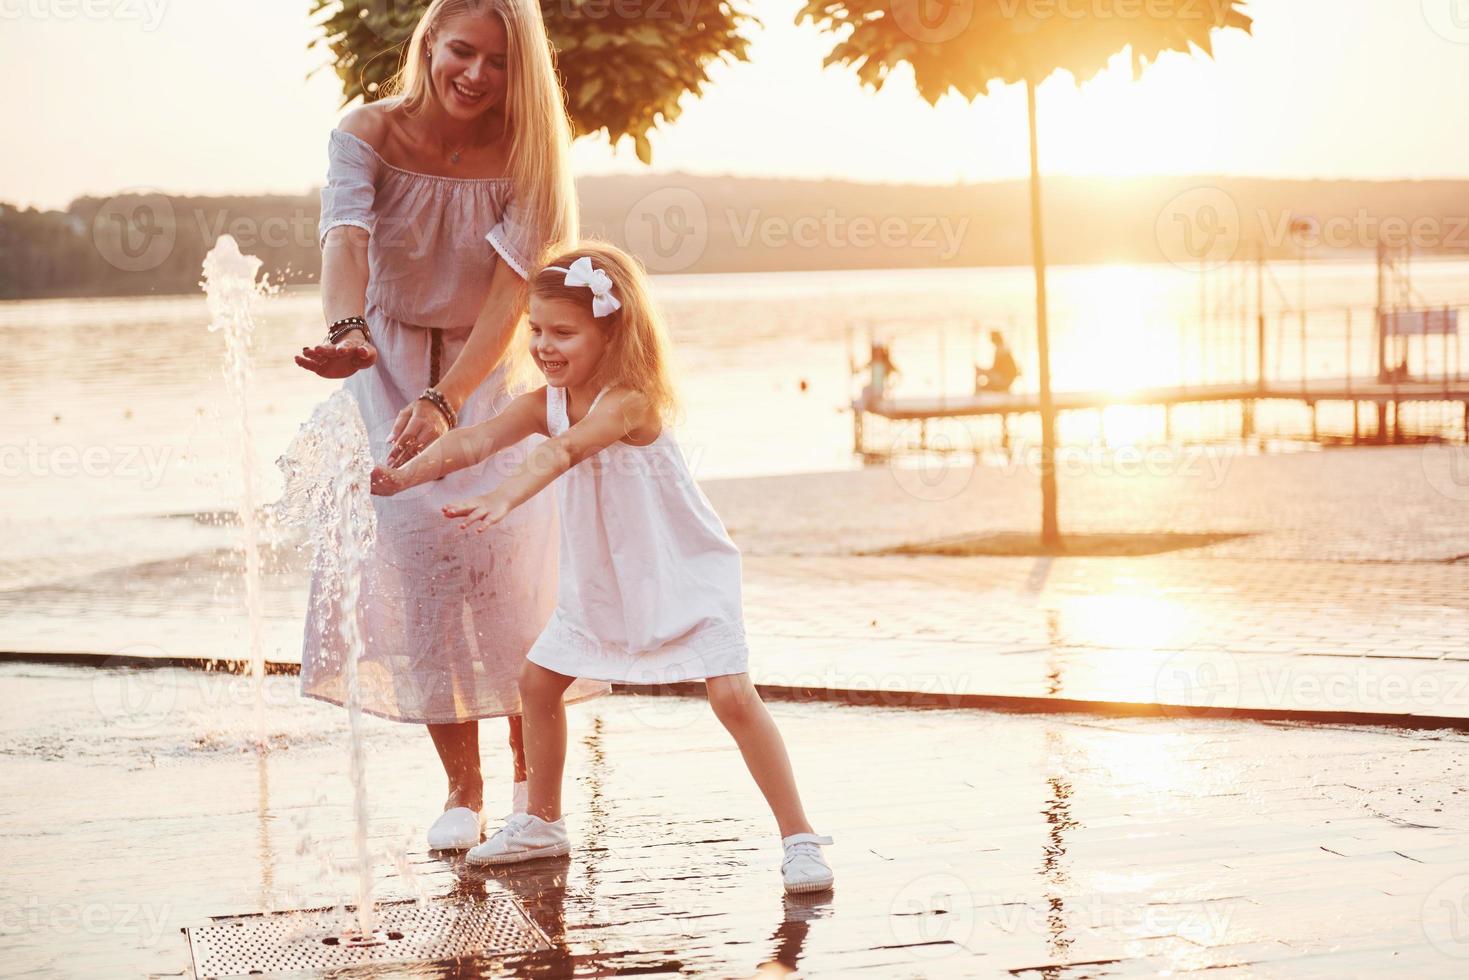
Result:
pixel 620 412
pixel 465 447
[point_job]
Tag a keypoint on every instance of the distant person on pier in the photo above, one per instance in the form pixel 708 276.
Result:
pixel 880 363
pixel 1002 371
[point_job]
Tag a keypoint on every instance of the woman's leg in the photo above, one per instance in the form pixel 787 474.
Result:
pixel 458 747
pixel 517 748
pixel 738 706
pixel 544 724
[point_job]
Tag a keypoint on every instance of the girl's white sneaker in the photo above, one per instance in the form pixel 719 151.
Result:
pixel 523 838
pixel 456 829
pixel 804 868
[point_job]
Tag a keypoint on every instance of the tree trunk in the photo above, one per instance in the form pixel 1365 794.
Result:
pixel 1050 529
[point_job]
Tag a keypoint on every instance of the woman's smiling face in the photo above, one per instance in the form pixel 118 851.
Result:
pixel 565 341
pixel 467 64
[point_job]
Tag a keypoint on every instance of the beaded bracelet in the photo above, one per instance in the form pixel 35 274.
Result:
pixel 345 326
pixel 436 398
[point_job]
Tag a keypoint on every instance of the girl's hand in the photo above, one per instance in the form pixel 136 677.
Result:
pixel 417 427
pixel 482 512
pixel 386 482
pixel 339 360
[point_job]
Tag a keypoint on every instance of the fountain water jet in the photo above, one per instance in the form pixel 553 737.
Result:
pixel 233 292
pixel 328 475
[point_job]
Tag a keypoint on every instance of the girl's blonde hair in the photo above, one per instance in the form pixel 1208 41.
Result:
pixel 637 354
pixel 535 112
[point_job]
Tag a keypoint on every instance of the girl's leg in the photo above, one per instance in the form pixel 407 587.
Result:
pixel 738 706
pixel 541 693
pixel 458 747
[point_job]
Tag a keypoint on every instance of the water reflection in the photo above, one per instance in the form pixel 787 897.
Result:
pixel 789 938
pixel 1053 868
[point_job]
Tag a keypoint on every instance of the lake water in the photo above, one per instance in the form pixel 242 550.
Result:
pixel 118 412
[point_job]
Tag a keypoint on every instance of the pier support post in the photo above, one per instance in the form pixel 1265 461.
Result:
pixel 1397 422
pixel 1466 423
pixel 1246 419
pixel 1356 423
pixel 1382 422
pixel 1005 428
pixel 1313 422
pixel 857 446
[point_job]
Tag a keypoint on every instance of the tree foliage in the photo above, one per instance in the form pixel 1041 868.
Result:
pixel 626 64
pixel 964 46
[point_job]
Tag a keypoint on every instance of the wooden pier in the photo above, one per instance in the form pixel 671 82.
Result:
pixel 1309 391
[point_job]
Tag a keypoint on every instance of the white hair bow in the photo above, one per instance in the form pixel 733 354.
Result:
pixel 598 281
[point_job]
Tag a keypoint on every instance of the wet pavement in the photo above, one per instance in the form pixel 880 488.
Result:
pixel 969 843
pixel 1342 598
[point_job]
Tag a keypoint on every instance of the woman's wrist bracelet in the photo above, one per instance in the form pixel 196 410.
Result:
pixel 436 398
pixel 345 326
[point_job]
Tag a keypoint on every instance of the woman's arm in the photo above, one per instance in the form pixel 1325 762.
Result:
pixel 619 413
pixel 344 273
pixel 524 416
pixel 419 424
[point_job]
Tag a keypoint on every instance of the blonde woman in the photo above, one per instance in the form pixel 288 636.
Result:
pixel 438 202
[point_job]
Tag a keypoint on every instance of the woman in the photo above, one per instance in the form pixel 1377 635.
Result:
pixel 437 203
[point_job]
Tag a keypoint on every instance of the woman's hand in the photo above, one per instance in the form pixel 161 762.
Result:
pixel 416 428
pixel 339 360
pixel 482 512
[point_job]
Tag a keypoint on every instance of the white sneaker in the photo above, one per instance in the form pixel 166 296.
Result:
pixel 456 829
pixel 804 868
pixel 523 838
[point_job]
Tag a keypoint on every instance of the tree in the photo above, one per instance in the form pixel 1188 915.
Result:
pixel 625 66
pixel 964 46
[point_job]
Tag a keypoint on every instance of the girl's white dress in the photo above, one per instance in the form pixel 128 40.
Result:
pixel 649 589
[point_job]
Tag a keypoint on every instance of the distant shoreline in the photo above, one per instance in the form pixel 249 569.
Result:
pixel 141 244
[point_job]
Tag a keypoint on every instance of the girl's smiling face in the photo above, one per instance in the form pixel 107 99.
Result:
pixel 565 341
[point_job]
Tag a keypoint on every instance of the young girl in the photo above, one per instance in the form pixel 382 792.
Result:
pixel 649 589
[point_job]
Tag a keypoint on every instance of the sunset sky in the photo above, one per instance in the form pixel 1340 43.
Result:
pixel 204 96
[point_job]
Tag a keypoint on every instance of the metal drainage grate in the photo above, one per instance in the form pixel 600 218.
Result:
pixel 325 939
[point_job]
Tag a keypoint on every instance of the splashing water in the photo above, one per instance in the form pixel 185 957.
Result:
pixel 328 475
pixel 234 295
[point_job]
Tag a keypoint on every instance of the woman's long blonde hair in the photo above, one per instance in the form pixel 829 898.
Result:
pixel 637 353
pixel 535 112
